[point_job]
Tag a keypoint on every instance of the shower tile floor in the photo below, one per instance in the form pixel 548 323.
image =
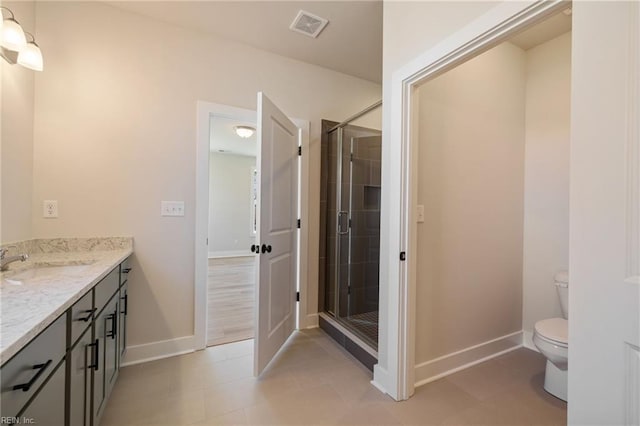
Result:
pixel 313 381
pixel 365 323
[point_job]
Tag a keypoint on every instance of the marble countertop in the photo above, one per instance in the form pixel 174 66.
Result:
pixel 27 308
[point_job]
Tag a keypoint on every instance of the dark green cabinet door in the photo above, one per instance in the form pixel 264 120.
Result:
pixel 82 360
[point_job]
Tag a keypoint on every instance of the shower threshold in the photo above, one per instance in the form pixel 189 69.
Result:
pixel 362 350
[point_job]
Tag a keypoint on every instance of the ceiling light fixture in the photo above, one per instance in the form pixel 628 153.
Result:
pixel 14 47
pixel 244 131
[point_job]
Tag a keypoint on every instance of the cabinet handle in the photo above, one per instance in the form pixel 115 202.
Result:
pixel 126 304
pixel 126 270
pixel 89 316
pixel 96 355
pixel 41 368
pixel 114 323
pixel 112 318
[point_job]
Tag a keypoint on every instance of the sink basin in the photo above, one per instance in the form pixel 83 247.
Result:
pixel 45 272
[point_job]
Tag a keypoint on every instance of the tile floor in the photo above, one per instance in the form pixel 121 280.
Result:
pixel 313 381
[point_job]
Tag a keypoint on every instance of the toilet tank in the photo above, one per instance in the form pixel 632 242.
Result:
pixel 561 280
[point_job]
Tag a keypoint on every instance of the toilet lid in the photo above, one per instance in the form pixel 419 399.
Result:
pixel 555 329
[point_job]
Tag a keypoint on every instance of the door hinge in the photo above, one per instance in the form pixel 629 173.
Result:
pixel 403 256
pixel 297 296
pixel 300 150
pixel 298 223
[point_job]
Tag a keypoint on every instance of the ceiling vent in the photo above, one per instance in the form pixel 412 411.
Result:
pixel 308 24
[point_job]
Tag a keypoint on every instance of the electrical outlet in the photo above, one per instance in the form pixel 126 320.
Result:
pixel 420 213
pixel 50 208
pixel 172 208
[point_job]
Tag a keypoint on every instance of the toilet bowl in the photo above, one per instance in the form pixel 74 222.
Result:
pixel 551 337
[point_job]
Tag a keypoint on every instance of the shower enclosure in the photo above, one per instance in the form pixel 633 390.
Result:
pixel 350 227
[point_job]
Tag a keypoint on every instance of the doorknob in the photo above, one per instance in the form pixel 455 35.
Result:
pixel 266 248
pixel 255 248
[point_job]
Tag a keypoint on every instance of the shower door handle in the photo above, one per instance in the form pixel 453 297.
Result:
pixel 343 215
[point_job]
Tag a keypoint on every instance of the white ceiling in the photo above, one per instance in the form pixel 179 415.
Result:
pixel 351 43
pixel 222 137
pixel 546 30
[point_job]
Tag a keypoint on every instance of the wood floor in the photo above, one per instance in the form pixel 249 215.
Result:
pixel 231 299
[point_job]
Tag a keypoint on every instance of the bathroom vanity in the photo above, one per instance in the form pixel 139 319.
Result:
pixel 63 336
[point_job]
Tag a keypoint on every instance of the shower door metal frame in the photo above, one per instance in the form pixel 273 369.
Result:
pixel 339 233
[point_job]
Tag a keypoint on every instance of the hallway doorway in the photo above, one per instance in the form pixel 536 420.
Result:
pixel 232 227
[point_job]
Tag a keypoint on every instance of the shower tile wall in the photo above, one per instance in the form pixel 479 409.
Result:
pixel 365 232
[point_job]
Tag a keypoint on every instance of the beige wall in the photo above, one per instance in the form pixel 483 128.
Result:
pixel 470 180
pixel 115 133
pixel 230 204
pixel 410 29
pixel 546 202
pixel 17 93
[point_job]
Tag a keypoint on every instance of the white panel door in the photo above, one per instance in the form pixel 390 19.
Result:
pixel 278 141
pixel 604 341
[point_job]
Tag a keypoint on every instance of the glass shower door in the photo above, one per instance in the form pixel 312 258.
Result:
pixel 359 239
pixel 352 217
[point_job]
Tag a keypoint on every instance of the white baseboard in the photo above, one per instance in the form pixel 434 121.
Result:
pixel 380 379
pixel 229 253
pixel 448 364
pixel 527 341
pixel 146 352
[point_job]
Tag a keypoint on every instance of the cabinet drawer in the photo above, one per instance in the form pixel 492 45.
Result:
pixel 125 269
pixel 82 313
pixel 47 409
pixel 31 366
pixel 106 288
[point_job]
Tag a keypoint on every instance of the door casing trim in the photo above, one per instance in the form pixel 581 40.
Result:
pixel 395 372
pixel 204 112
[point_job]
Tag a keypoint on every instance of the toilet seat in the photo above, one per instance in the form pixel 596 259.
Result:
pixel 553 330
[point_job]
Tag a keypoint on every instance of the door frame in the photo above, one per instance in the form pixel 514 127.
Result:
pixel 205 110
pixel 395 372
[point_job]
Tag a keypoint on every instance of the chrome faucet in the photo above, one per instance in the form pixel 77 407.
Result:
pixel 5 261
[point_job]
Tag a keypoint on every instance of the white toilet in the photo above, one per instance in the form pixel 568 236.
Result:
pixel 550 337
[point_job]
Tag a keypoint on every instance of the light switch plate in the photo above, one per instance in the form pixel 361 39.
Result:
pixel 50 209
pixel 420 213
pixel 172 208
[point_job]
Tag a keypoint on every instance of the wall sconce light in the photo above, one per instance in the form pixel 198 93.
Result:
pixel 244 131
pixel 14 47
pixel 30 56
